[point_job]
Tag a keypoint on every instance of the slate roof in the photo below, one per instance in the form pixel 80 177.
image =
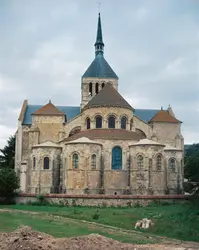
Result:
pixel 112 134
pixel 48 109
pixel 108 97
pixel 72 111
pixel 100 68
pixel 164 116
pixel 69 111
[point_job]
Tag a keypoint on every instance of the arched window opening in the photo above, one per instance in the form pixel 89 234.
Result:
pixel 159 162
pixel 93 161
pixel 103 84
pixel 34 163
pixel 116 158
pixel 123 122
pixel 140 162
pixel 97 88
pixel 131 124
pixel 98 121
pixel 75 161
pixel 88 123
pixel 90 89
pixel 111 122
pixel 172 164
pixel 46 162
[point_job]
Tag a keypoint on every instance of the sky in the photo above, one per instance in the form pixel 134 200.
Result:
pixel 152 45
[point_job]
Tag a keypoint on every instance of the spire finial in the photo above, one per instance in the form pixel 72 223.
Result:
pixel 99 45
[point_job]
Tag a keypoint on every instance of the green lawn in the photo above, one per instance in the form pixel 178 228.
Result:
pixel 180 221
pixel 66 228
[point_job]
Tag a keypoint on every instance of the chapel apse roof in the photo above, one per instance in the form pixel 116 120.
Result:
pixel 107 134
pixel 72 111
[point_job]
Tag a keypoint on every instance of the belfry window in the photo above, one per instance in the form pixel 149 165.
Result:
pixel 98 121
pixel 46 163
pixel 111 122
pixel 90 89
pixel 88 123
pixel 97 88
pixel 75 161
pixel 123 122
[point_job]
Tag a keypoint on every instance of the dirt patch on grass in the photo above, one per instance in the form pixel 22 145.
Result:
pixel 25 238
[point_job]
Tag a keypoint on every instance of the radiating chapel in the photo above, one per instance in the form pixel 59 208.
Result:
pixel 102 146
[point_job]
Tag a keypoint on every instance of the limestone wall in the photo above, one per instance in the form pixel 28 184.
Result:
pixel 104 200
pixel 84 176
pixel 42 179
pixel 105 112
pixel 166 132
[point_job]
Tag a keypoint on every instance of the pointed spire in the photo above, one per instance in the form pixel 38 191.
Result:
pixel 99 45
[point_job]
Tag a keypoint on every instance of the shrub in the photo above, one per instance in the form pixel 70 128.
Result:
pixel 96 215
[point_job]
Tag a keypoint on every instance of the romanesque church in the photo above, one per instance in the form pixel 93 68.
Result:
pixel 102 146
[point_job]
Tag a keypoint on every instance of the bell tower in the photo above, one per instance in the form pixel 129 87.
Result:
pixel 98 73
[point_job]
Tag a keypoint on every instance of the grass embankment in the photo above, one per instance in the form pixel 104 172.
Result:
pixel 179 221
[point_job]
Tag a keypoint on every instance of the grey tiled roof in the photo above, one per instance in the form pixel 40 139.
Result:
pixel 100 68
pixel 108 97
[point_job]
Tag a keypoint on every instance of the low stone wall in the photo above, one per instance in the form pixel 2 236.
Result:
pixel 102 200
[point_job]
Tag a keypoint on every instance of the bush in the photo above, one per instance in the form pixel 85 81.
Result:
pixel 96 215
pixel 9 183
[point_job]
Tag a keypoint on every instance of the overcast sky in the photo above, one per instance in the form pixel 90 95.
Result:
pixel 153 46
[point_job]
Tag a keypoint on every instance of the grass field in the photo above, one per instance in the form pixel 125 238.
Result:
pixel 179 221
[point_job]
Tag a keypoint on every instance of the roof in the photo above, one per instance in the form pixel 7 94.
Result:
pixel 47 144
pixel 108 134
pixel 108 97
pixel 147 142
pixel 170 148
pixel 69 111
pixel 145 114
pixel 48 109
pixel 164 116
pixel 72 111
pixel 83 140
pixel 100 68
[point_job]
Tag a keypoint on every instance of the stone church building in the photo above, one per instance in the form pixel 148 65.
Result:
pixel 103 146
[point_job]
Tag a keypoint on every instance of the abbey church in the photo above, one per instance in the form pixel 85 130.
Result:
pixel 102 146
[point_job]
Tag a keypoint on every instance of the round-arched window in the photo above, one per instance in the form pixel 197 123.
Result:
pixel 111 122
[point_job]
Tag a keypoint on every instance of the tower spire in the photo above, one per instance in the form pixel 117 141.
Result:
pixel 99 45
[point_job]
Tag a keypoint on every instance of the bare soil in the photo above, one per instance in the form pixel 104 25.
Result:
pixel 24 238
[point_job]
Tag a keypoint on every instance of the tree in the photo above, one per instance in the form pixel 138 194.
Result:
pixel 9 183
pixel 7 154
pixel 191 170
